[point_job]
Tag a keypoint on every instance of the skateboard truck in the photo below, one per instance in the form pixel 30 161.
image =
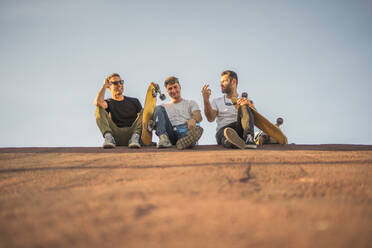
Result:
pixel 150 125
pixel 156 90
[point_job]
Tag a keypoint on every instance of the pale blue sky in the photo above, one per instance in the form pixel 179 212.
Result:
pixel 307 61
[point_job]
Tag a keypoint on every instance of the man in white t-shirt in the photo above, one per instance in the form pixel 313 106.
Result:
pixel 235 127
pixel 177 122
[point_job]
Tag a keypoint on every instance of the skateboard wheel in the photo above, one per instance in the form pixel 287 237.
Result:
pixel 279 121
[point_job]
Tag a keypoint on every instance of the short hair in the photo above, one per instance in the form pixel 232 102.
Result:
pixel 113 75
pixel 170 80
pixel 231 74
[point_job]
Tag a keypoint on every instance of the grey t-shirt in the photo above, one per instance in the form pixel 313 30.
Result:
pixel 226 114
pixel 179 113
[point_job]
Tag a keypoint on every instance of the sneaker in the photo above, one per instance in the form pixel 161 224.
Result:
pixel 249 142
pixel 134 141
pixel 109 141
pixel 232 136
pixel 164 141
pixel 226 143
pixel 192 137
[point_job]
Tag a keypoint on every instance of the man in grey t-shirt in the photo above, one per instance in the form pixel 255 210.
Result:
pixel 177 122
pixel 235 126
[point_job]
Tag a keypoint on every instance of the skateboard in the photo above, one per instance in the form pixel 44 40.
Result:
pixel 263 124
pixel 148 112
pixel 262 138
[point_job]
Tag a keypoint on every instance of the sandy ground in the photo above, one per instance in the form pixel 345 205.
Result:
pixel 278 196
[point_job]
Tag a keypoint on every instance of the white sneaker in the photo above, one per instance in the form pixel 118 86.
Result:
pixel 109 141
pixel 249 142
pixel 164 141
pixel 233 137
pixel 134 141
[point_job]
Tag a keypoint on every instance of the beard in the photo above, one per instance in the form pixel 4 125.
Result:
pixel 227 89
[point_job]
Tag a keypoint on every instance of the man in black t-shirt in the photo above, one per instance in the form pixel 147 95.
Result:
pixel 120 117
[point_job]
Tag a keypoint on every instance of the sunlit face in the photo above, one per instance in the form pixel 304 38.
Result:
pixel 116 89
pixel 174 91
pixel 226 84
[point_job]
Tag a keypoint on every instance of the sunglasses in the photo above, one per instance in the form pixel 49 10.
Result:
pixel 118 82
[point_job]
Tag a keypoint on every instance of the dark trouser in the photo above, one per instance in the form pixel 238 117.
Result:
pixel 164 126
pixel 121 135
pixel 243 126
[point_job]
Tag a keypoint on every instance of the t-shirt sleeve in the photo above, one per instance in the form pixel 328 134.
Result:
pixel 194 106
pixel 108 106
pixel 214 104
pixel 139 106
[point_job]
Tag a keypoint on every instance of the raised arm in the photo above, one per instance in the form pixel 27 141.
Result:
pixel 208 111
pixel 99 101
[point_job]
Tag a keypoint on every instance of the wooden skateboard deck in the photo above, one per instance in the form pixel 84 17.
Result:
pixel 266 126
pixel 148 111
pixel 269 128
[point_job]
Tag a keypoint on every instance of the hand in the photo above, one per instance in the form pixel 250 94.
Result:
pixel 244 101
pixel 191 123
pixel 106 83
pixel 206 92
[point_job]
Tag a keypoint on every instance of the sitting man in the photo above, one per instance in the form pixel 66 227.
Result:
pixel 120 117
pixel 176 122
pixel 235 128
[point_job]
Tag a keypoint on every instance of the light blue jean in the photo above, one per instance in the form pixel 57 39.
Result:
pixel 164 126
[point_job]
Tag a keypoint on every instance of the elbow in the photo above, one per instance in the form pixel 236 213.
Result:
pixel 210 119
pixel 98 104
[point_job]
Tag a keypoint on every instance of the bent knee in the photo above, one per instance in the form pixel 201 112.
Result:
pixel 100 111
pixel 159 109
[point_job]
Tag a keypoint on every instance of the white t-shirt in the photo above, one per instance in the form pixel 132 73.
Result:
pixel 179 113
pixel 226 114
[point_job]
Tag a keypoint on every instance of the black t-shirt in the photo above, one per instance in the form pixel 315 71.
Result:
pixel 123 113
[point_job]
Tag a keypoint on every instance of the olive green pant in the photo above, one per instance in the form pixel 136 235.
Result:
pixel 120 134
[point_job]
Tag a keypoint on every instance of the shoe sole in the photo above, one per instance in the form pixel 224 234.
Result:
pixel 193 136
pixel 232 136
pixel 250 146
pixel 134 146
pixel 163 146
pixel 109 146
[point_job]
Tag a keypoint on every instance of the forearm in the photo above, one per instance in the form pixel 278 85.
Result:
pixel 100 98
pixel 197 117
pixel 208 111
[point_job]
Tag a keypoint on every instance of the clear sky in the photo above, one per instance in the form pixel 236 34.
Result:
pixel 309 62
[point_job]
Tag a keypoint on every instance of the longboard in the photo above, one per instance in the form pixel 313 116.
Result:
pixel 265 125
pixel 262 138
pixel 268 127
pixel 148 112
